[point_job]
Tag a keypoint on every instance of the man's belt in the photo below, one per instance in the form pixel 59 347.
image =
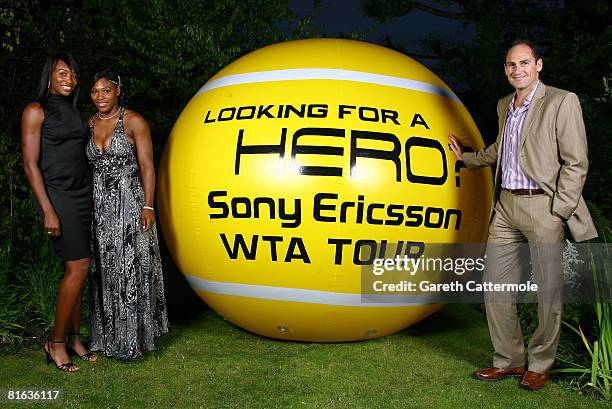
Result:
pixel 525 192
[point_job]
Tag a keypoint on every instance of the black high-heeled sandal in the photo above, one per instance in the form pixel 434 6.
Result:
pixel 87 356
pixel 67 367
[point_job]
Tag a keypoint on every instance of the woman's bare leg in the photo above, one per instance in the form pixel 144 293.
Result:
pixel 73 330
pixel 68 296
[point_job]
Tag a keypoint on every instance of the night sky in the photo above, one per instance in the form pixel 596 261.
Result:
pixel 341 17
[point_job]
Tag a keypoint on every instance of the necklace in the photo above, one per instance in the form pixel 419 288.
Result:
pixel 108 117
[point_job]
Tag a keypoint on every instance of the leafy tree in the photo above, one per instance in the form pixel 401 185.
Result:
pixel 578 59
pixel 168 49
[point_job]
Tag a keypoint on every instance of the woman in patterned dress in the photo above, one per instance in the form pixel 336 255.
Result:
pixel 127 292
pixel 53 135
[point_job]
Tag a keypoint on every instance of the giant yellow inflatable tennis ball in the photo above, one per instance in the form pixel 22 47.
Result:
pixel 299 163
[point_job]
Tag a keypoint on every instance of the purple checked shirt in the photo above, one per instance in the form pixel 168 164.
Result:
pixel 512 173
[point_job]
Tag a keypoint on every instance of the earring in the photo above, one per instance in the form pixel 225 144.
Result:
pixel 48 84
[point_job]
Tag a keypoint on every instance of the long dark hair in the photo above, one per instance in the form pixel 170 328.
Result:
pixel 42 93
pixel 112 76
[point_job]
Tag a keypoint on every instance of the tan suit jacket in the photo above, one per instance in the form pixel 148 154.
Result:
pixel 553 154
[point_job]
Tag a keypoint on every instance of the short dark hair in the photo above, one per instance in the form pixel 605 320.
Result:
pixel 534 50
pixel 112 76
pixel 42 94
pixel 108 74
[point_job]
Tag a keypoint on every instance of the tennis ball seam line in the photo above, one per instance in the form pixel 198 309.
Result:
pixel 310 296
pixel 299 74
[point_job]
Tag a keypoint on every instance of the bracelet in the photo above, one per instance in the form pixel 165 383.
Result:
pixel 148 207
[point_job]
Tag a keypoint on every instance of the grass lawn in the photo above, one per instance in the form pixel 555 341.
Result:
pixel 206 362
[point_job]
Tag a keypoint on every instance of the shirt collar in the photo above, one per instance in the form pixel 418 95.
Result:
pixel 527 100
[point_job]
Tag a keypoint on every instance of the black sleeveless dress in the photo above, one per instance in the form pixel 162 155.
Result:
pixel 67 178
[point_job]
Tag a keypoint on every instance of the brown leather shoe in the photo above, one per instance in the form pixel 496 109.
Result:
pixel 495 374
pixel 533 380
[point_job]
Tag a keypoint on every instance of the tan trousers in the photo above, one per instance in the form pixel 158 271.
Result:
pixel 519 220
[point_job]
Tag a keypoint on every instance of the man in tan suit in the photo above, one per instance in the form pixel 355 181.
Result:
pixel 541 166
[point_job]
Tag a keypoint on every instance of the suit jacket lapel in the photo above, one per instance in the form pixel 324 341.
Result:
pixel 534 111
pixel 502 120
pixel 503 114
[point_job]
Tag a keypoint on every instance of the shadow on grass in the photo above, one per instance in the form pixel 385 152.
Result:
pixel 183 303
pixel 458 330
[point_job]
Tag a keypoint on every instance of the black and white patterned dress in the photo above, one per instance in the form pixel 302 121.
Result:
pixel 128 305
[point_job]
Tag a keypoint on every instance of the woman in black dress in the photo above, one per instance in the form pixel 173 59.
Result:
pixel 53 136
